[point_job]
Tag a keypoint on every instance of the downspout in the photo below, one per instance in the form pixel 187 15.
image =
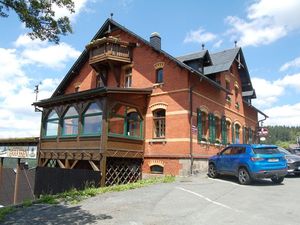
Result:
pixel 191 123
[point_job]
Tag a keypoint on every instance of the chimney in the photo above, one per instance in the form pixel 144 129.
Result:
pixel 155 40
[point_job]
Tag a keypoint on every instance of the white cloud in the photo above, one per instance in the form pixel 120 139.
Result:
pixel 80 5
pixel 53 56
pixel 292 64
pixel 199 36
pixel 267 21
pixel 267 92
pixel 218 44
pixel 288 115
pixel 17 116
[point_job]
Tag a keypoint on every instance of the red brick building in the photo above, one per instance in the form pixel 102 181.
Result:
pixel 126 105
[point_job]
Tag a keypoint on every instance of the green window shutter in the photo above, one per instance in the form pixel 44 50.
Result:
pixel 199 124
pixel 232 133
pixel 224 130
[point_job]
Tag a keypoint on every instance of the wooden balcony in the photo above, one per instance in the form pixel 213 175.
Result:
pixel 109 50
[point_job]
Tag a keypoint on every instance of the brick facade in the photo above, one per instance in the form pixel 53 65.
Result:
pixel 181 91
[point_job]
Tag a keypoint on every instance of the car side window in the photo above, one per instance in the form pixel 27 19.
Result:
pixel 238 150
pixel 227 151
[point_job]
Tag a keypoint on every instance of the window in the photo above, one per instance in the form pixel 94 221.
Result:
pixel 224 131
pixel 237 133
pixel 99 78
pixel 133 124
pixel 217 129
pixel 250 135
pixel 228 131
pixel 52 124
pixel 157 169
pixel 227 85
pixel 159 119
pixel 92 120
pixel 128 78
pixel 212 127
pixel 204 125
pixel 70 122
pixel 159 75
pixel 125 121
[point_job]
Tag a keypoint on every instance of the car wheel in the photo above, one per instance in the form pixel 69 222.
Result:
pixel 212 171
pixel 277 180
pixel 244 176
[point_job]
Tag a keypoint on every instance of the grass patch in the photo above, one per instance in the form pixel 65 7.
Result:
pixel 74 196
pixel 6 210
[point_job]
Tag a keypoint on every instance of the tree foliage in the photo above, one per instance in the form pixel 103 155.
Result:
pixel 283 135
pixel 39 17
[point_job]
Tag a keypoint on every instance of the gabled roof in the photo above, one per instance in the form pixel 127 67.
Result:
pixel 192 56
pixel 111 24
pixel 222 61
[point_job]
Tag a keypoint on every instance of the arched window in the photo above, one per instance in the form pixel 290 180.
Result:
pixel 52 124
pixel 133 124
pixel 92 120
pixel 157 169
pixel 228 125
pixel 218 129
pixel 159 120
pixel 159 75
pixel 237 128
pixel 125 121
pixel 70 122
pixel 204 125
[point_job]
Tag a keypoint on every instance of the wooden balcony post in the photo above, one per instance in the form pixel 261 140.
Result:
pixel 103 145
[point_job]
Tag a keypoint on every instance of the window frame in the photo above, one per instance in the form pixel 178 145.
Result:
pixel 46 125
pixel 162 126
pixel 128 77
pixel 70 117
pixel 159 76
pixel 84 115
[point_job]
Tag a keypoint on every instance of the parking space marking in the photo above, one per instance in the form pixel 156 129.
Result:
pixel 208 199
pixel 227 182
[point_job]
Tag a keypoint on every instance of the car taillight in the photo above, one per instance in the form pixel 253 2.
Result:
pixel 256 159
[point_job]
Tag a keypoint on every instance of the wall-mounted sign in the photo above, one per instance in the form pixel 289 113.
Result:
pixel 263 131
pixel 23 152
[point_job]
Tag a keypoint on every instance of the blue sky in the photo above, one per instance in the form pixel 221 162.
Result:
pixel 267 30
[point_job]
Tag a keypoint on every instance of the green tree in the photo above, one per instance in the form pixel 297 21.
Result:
pixel 39 17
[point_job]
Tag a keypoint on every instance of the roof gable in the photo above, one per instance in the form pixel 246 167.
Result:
pixel 110 25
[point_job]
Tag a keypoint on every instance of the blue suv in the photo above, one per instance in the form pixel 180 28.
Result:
pixel 249 162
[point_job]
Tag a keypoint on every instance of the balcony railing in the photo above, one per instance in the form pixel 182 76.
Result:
pixel 109 49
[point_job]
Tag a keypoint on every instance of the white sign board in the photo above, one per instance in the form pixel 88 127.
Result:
pixel 23 152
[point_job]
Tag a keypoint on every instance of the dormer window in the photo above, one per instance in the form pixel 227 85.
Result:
pixel 159 75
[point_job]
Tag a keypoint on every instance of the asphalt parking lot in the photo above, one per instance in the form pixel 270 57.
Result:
pixel 192 200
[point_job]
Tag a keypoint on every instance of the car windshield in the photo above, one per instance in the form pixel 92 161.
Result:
pixel 265 150
pixel 284 151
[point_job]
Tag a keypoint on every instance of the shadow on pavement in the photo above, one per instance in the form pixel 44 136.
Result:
pixel 258 182
pixel 52 214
